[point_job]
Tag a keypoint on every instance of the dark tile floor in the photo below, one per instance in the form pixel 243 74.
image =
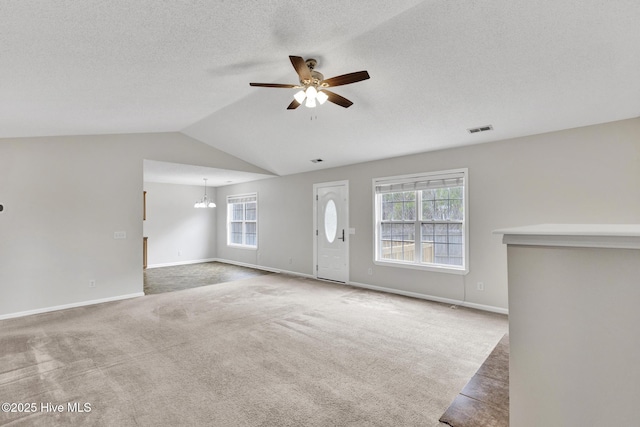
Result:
pixel 176 278
pixel 484 401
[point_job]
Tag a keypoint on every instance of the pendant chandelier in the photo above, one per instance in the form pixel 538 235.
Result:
pixel 204 203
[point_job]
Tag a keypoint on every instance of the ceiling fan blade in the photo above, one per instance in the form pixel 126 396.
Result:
pixel 301 67
pixel 273 85
pixel 294 104
pixel 345 79
pixel 337 99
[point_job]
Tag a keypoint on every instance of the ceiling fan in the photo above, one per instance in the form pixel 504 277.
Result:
pixel 313 85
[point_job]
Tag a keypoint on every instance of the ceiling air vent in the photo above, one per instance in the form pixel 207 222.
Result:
pixel 316 160
pixel 480 129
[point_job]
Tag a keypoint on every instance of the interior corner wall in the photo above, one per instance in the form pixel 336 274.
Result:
pixel 583 175
pixel 64 198
pixel 177 233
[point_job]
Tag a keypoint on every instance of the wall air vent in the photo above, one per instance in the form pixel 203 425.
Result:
pixel 480 129
pixel 316 160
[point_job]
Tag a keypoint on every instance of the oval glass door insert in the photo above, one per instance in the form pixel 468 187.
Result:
pixel 330 221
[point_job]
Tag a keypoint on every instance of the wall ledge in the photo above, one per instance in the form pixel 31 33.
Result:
pixel 612 236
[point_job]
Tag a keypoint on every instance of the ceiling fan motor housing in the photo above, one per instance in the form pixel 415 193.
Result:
pixel 316 76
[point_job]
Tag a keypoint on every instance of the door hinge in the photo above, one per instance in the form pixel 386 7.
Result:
pixel 316 267
pixel 316 197
pixel 316 232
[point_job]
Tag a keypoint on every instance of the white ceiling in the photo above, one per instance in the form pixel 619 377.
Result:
pixel 174 173
pixel 437 68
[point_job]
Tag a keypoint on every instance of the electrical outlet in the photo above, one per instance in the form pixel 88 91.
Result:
pixel 480 286
pixel 92 283
pixel 179 253
pixel 370 272
pixel 290 260
pixel 120 235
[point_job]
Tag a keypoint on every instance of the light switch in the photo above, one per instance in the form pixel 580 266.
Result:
pixel 352 231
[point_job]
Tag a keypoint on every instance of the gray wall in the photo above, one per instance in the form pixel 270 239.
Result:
pixel 584 175
pixel 177 232
pixel 64 197
pixel 574 346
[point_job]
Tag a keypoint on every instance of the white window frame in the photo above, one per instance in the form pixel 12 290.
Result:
pixel 241 199
pixel 415 178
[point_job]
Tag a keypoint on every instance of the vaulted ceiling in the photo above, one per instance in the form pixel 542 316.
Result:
pixel 437 69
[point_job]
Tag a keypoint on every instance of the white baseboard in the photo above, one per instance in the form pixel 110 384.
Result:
pixel 232 262
pixel 246 264
pixel 490 308
pixel 172 264
pixel 432 298
pixel 261 267
pixel 66 306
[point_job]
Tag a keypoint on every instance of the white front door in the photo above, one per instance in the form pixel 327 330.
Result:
pixel 332 232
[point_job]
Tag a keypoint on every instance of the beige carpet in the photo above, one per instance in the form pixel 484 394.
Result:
pixel 181 277
pixel 273 350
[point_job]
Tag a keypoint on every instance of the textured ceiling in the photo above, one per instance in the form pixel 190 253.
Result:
pixel 437 68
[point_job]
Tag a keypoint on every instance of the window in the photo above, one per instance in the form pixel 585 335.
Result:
pixel 421 221
pixel 242 220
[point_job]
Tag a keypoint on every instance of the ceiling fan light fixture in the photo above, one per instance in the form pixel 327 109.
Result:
pixel 322 97
pixel 300 96
pixel 312 92
pixel 311 102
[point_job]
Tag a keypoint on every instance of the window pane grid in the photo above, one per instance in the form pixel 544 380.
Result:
pixel 242 220
pixel 238 212
pixel 443 204
pixel 442 243
pixel 250 233
pixel 399 206
pixel 422 224
pixel 250 211
pixel 236 233
pixel 398 241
